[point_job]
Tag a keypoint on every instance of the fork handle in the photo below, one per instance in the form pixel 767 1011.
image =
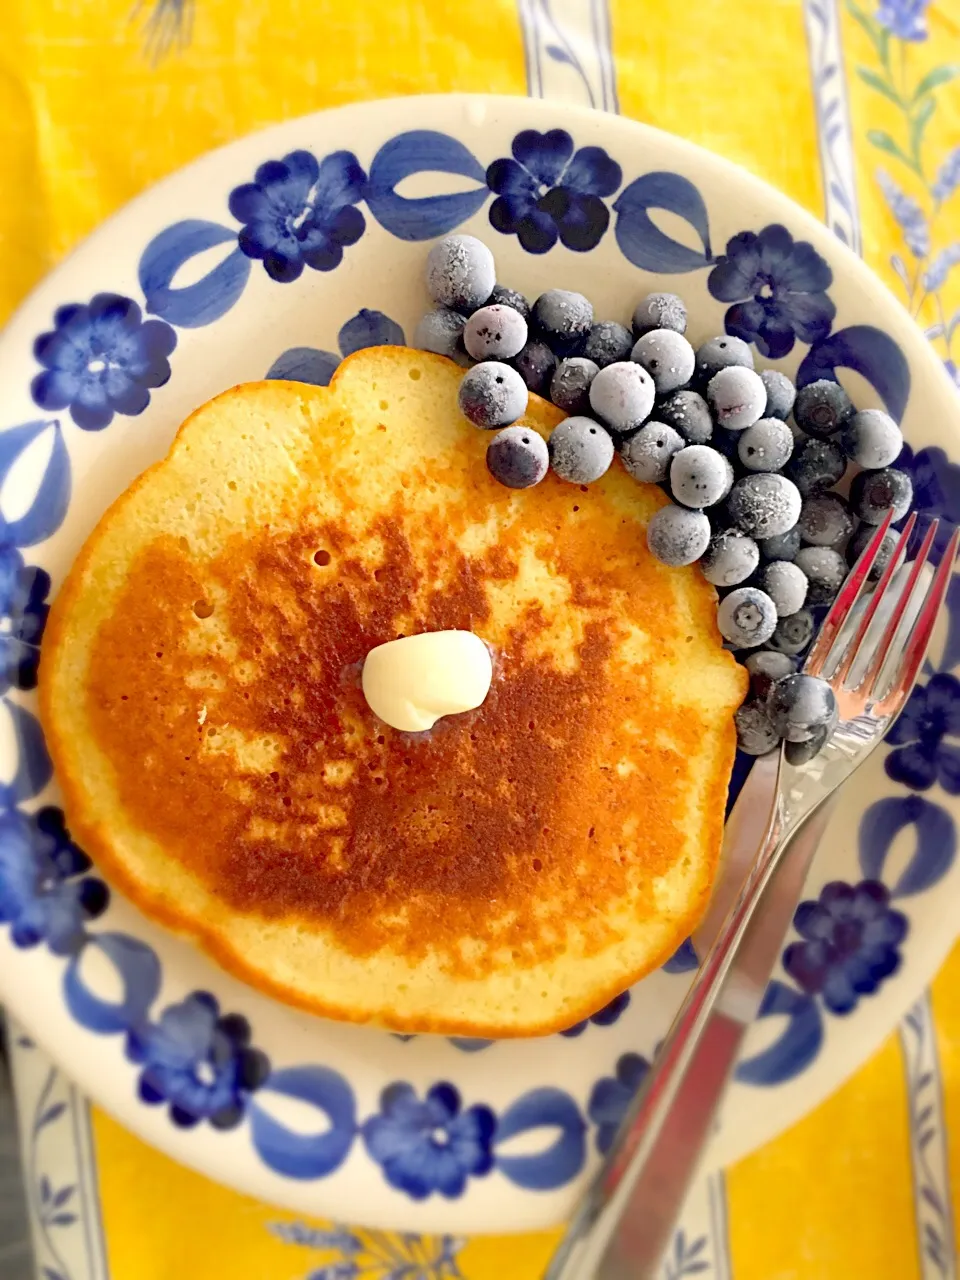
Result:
pixel 624 1227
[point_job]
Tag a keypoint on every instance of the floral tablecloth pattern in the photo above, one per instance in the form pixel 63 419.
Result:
pixel 850 106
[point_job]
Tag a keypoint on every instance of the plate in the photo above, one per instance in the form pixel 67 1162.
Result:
pixel 183 294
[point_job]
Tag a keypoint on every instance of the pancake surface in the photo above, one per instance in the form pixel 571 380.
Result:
pixel 506 873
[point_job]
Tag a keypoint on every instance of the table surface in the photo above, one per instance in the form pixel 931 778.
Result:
pixel 15 1252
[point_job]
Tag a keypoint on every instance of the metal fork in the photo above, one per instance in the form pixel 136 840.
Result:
pixel 624 1221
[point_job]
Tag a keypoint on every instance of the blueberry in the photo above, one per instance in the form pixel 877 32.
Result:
pixel 504 297
pixel 793 633
pixel 783 546
pixel 858 542
pixel 660 311
pixel 460 273
pixel 825 520
pixel 688 413
pixel 677 535
pixel 607 343
pixel 766 446
pixel 647 454
pixel 872 439
pixel 767 666
pixel 816 465
pixel 825 569
pixel 822 408
pixel 495 333
pixel 440 331
pixel 747 617
pixel 622 395
pixel 570 384
pixel 535 365
pixel 518 457
pixel 786 585
pixel 737 397
pixel 668 358
pixel 720 353
pixel 755 732
pixel 764 505
pixel 781 393
pixel 580 450
pixel 730 558
pixel 700 476
pixel 874 493
pixel 563 319
pixel 492 395
pixel 802 752
pixel 800 705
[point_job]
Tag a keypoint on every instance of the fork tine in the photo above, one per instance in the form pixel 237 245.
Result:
pixel 848 596
pixel 873 604
pixel 919 638
pixel 881 652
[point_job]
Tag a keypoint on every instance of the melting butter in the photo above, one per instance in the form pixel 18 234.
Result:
pixel 410 683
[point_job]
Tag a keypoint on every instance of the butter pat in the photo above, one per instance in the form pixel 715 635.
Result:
pixel 410 683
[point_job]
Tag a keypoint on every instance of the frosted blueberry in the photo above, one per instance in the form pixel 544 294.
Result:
pixel 825 520
pixel 504 297
pixel 872 439
pixel 799 706
pixel 816 465
pixel 737 397
pixel 783 546
pixel 563 319
pixel 747 617
pixel 495 333
pixel 764 505
pixel 722 353
pixel 730 558
pixel 688 413
pixel 580 450
pixel 518 457
pixel 858 543
pixel 786 585
pixel 668 358
pixel 570 384
pixel 460 273
pixel 535 364
pixel 793 633
pixel 874 493
pixel 492 395
pixel 608 342
pixel 825 569
pixel 755 732
pixel 647 454
pixel 766 446
pixel 622 396
pixel 440 331
pixel 660 311
pixel 700 476
pixel 781 393
pixel 822 408
pixel 678 535
pixel 766 666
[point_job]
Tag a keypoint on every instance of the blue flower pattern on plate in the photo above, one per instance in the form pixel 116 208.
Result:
pixel 299 212
pixel 604 1017
pixel 44 894
pixel 547 191
pixel 904 19
pixel 612 1095
pixel 430 1145
pixel 849 943
pixel 921 755
pixel 23 616
pixel 777 286
pixel 199 1062
pixel 101 358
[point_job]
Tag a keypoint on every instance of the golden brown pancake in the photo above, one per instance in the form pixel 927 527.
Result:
pixel 507 872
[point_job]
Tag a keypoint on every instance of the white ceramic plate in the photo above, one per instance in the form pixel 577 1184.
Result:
pixel 295 1109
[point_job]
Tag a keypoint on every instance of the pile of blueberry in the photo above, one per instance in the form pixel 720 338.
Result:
pixel 754 498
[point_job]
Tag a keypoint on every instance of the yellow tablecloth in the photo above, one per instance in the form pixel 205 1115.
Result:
pixel 96 102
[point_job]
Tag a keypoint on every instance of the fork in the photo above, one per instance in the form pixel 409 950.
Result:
pixel 624 1221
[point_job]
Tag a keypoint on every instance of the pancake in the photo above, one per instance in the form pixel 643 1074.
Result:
pixel 503 874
